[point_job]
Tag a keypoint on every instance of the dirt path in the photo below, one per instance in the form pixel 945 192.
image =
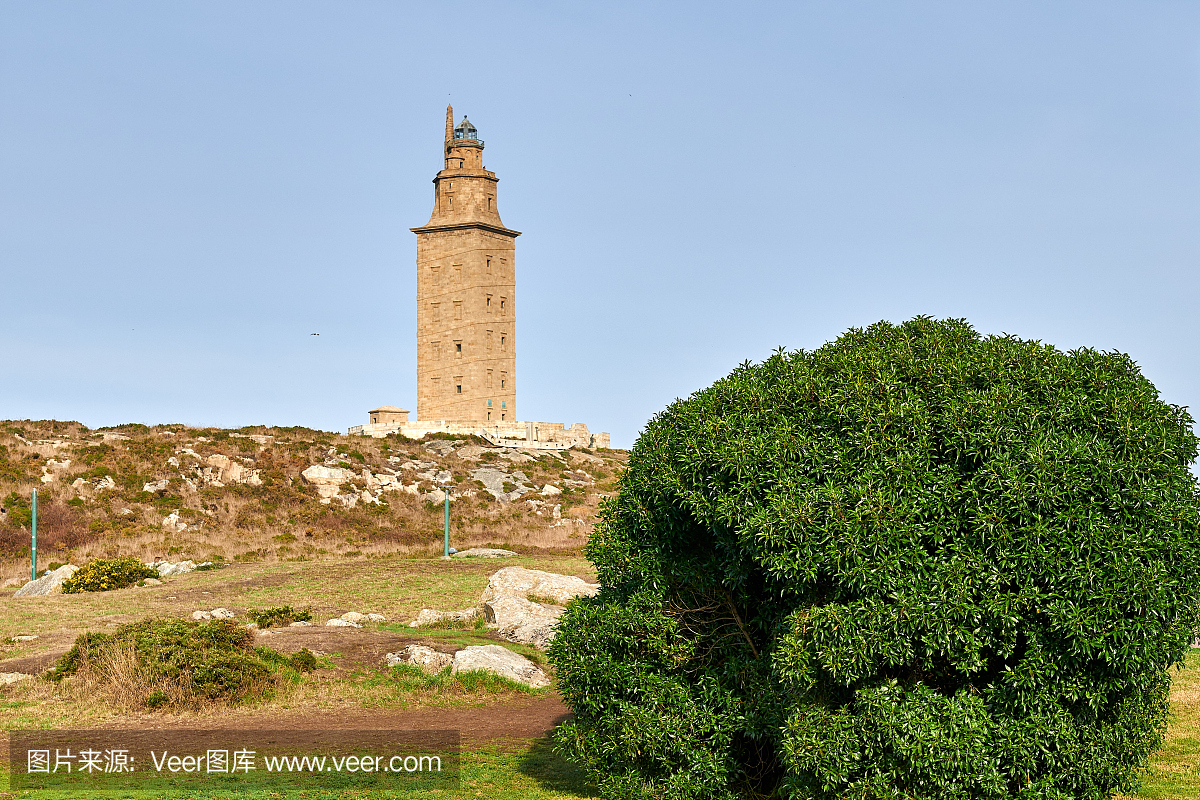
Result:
pixel 512 722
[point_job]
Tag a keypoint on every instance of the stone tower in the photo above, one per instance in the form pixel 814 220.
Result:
pixel 466 292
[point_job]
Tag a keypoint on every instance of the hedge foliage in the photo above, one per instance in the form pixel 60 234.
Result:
pixel 916 562
pixel 105 574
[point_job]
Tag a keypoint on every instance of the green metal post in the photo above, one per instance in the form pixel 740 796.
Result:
pixel 447 543
pixel 35 534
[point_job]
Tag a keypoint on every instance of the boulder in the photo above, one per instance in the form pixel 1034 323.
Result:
pixel 354 616
pixel 549 490
pixel 199 616
pixel 430 616
pixel 166 569
pixel 429 660
pixel 12 677
pixel 499 661
pixel 222 613
pixel 376 618
pixel 301 624
pixel 152 582
pixel 50 583
pixel 484 552
pixel 341 623
pixel 172 522
pixel 523 582
pixel 156 486
pixel 522 621
pixel 28 637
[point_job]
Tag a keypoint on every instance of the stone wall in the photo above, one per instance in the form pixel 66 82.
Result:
pixel 554 435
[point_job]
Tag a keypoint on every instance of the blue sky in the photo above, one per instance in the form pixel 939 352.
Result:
pixel 188 190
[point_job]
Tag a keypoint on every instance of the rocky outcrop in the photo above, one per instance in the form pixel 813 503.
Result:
pixel 548 585
pixel 500 661
pixel 50 583
pixel 494 481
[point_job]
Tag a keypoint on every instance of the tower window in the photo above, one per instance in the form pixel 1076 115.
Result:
pixel 489 204
pixel 458 309
pixel 458 388
pixel 489 341
pixel 489 265
pixel 489 403
pixel 458 349
pixel 437 311
pixel 489 383
pixel 503 342
pixel 502 301
pixel 503 379
pixel 504 404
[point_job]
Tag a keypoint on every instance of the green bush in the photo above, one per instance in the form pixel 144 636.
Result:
pixel 278 615
pixel 914 563
pixel 177 662
pixel 303 660
pixel 104 574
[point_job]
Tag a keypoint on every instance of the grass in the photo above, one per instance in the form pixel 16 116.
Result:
pixel 1174 772
pixel 535 772
pixel 396 588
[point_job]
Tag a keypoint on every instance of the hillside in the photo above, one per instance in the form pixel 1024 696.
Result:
pixel 282 494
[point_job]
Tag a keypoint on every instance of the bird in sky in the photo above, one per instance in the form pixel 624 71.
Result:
pixel 315 334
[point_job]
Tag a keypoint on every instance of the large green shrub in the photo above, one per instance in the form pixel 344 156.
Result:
pixel 104 574
pixel 914 563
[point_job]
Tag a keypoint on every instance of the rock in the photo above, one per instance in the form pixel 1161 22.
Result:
pixel 520 620
pixel 166 569
pixel 50 583
pixel 222 613
pixel 484 552
pixel 429 616
pixel 429 660
pixel 341 623
pixel 493 481
pixel 354 616
pixel 327 480
pixel 157 486
pixel 172 522
pixel 300 625
pixel 500 661
pixel 549 490
pixel 201 615
pixel 29 637
pixel 152 582
pixel 12 677
pixel 105 483
pixel 173 461
pixel 223 469
pixel 376 618
pixel 251 626
pixel 524 582
pixel 557 512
